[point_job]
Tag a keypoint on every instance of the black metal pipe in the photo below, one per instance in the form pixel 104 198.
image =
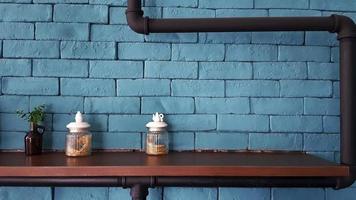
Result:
pixel 172 181
pixel 348 100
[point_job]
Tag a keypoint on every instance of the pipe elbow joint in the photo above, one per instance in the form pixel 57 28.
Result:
pixel 137 22
pixel 344 26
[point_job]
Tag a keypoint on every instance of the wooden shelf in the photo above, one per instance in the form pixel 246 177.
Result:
pixel 202 164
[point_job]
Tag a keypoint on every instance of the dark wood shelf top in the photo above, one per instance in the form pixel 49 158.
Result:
pixel 110 164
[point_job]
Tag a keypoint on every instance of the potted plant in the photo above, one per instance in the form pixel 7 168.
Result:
pixel 33 138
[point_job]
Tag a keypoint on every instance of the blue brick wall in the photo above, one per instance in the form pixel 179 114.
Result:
pixel 220 91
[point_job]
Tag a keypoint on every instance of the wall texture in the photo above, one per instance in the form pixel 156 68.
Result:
pixel 219 90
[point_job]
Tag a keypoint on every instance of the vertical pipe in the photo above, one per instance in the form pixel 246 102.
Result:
pixel 139 192
pixel 348 100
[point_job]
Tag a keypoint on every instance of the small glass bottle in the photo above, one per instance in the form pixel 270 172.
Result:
pixel 78 139
pixel 157 141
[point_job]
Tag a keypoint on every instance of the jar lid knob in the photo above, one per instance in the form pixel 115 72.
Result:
pixel 79 123
pixel 158 117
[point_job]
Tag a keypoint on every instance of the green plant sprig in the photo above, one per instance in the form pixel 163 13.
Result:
pixel 36 116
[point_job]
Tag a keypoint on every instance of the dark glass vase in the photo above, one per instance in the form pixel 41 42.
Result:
pixel 33 140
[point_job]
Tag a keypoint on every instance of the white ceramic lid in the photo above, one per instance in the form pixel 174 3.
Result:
pixel 79 123
pixel 157 121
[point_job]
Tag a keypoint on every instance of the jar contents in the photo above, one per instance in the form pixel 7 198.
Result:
pixel 157 141
pixel 78 144
pixel 78 139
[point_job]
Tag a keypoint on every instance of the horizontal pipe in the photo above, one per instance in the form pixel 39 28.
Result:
pixel 334 23
pixel 172 182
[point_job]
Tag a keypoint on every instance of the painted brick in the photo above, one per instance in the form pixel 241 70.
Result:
pixel 225 70
pixel 257 123
pixel 80 13
pixel 317 106
pixel 241 13
pixel 321 142
pixel 62 31
pixel 191 122
pixel 97 122
pixel 109 2
pixel 280 70
pixel 298 193
pixel 143 87
pixel 58 104
pixel 175 193
pixel 118 16
pixel 15 67
pixel 9 103
pixel 345 194
pixel 11 122
pixel 293 13
pixel 11 140
pixel 172 37
pixel 198 52
pixel 226 4
pixel 335 54
pixel 198 88
pixel 60 68
pixel 221 141
pixel 181 141
pixel 171 69
pixel 64 193
pixel 30 86
pixel 253 88
pixel 302 88
pixel 281 4
pixel 304 53
pixel 29 12
pixel 60 1
pixel 88 50
pixel 226 38
pixel 15 1
pixel 244 193
pixel 344 5
pixel 277 106
pixel 87 87
pixel 323 71
pixel 117 141
pixel 54 140
pixel 292 38
pixel 222 105
pixel 336 89
pixel 296 124
pixel 18 193
pixel 117 33
pixel 172 3
pixel 172 105
pixel 331 124
pixel 30 49
pixel 276 141
pixel 10 30
pixel 144 51
pixel 128 123
pixel 246 52
pixel 116 69
pixel 112 105
pixel 187 13
pixel 321 38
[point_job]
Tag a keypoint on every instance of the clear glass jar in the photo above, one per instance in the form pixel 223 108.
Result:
pixel 157 143
pixel 78 144
pixel 78 139
pixel 157 139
